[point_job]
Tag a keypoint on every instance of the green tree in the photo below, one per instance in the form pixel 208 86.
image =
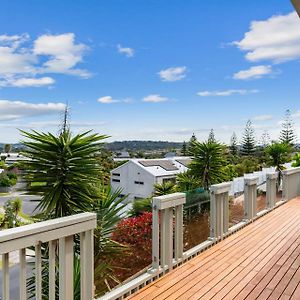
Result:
pixel 7 148
pixel 191 147
pixel 277 155
pixel 184 149
pixel 165 188
pixel 187 182
pixel 208 163
pixel 265 139
pixel 287 134
pixel 67 165
pixel 211 136
pixel 233 147
pixel 248 142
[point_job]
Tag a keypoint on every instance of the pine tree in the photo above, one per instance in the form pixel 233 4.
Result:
pixel 191 147
pixel 287 134
pixel 184 149
pixel 211 136
pixel 265 139
pixel 233 145
pixel 248 142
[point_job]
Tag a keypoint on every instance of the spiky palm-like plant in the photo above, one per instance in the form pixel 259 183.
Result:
pixel 67 167
pixel 208 163
pixel 187 181
pixel 165 188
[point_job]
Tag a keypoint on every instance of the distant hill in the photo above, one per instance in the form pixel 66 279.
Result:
pixel 143 145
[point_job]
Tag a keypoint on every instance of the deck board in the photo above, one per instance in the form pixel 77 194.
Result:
pixel 261 261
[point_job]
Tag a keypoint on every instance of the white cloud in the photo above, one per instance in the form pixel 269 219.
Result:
pixel 155 98
pixel 173 74
pixel 129 52
pixel 21 61
pixel 253 73
pixel 226 93
pixel 262 118
pixel 13 110
pixel 296 115
pixel 276 39
pixel 27 82
pixel 64 54
pixel 107 100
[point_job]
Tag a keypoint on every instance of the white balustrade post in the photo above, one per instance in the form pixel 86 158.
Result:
pixel 162 232
pixel 271 190
pixel 219 210
pixel 250 197
pixel 290 183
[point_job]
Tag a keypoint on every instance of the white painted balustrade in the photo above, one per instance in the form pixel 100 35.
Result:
pixel 59 234
pixel 219 210
pixel 250 197
pixel 290 183
pixel 167 211
pixel 271 190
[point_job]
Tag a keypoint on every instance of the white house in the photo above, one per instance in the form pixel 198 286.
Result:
pixel 12 158
pixel 137 177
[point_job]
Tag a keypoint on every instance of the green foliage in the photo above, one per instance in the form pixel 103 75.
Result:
pixel 208 162
pixel 187 181
pixel 191 148
pixel 141 205
pixel 211 136
pixel 296 159
pixel 7 148
pixel 287 134
pixel 68 165
pixel 233 148
pixel 12 210
pixel 247 165
pixel 198 195
pixel 165 188
pixel 248 142
pixel 230 172
pixel 3 165
pixel 184 151
pixel 8 179
pixel 277 155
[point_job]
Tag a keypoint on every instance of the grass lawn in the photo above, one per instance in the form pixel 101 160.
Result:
pixel 35 184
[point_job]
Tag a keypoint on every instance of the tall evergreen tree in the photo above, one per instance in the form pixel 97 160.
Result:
pixel 184 149
pixel 265 139
pixel 248 142
pixel 233 144
pixel 287 134
pixel 191 145
pixel 211 136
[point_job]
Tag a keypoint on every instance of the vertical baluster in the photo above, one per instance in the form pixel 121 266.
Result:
pixel 155 237
pixel 5 276
pixel 38 272
pixel 178 232
pixel 66 257
pixel 22 258
pixel 52 263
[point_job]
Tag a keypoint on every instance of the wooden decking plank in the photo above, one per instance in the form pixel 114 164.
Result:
pixel 260 260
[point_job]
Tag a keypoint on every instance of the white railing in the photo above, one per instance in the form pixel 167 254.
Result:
pixel 59 234
pixel 165 207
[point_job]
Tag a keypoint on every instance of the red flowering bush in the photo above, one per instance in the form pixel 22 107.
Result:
pixel 136 233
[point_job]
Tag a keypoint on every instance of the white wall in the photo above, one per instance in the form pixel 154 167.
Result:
pixel 129 173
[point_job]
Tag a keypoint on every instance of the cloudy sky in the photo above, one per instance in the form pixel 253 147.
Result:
pixel 149 69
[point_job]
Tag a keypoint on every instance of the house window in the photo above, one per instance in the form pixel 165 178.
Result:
pixel 116 180
pixel 116 174
pixel 139 182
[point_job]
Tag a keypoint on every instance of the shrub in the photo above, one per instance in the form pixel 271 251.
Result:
pixel 136 233
pixel 8 179
pixel 140 206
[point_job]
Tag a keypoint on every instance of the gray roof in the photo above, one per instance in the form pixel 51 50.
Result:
pixel 184 161
pixel 165 164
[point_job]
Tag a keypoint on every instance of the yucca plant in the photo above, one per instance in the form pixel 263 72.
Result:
pixel 165 188
pixel 207 164
pixel 62 168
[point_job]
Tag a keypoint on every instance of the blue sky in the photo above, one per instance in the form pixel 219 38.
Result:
pixel 157 70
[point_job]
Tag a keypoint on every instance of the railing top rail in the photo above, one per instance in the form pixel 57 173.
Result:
pixel 171 200
pixel 28 235
pixel 291 171
pixel 221 187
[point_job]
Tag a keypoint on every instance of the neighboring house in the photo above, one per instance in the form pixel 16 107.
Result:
pixel 12 158
pixel 137 177
pixel 122 154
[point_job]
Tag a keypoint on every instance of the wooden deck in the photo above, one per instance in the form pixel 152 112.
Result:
pixel 261 261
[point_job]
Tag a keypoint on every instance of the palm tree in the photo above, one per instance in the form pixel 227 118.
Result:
pixel 67 166
pixel 208 163
pixel 165 188
pixel 277 155
pixel 187 182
